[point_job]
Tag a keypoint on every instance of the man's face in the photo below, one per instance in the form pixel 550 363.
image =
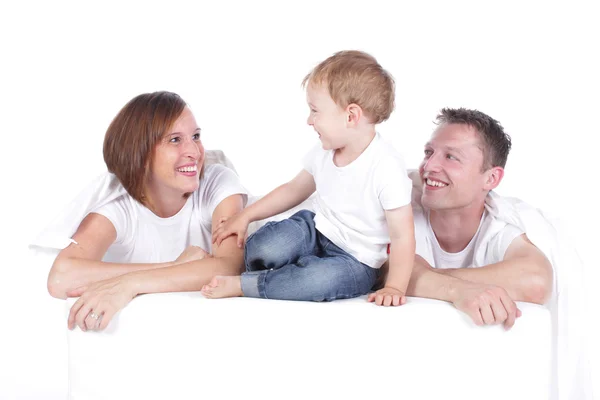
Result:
pixel 451 169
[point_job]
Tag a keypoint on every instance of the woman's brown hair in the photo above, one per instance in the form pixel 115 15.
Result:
pixel 133 134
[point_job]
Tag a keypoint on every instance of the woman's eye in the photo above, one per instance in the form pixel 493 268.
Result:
pixel 196 136
pixel 175 139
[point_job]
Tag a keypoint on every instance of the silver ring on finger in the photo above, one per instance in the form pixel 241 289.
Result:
pixel 94 315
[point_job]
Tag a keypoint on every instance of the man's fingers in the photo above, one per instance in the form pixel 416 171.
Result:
pixel 486 314
pixel 499 311
pixel 511 310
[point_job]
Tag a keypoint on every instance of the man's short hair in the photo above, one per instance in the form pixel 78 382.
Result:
pixel 355 77
pixel 496 143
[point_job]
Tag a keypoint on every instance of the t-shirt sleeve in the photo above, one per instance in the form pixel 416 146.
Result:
pixel 220 182
pixel 498 244
pixel 120 215
pixel 394 184
pixel 310 159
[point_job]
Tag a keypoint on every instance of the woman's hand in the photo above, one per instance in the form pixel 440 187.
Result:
pixel 99 302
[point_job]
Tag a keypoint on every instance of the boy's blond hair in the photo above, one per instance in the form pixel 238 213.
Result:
pixel 355 77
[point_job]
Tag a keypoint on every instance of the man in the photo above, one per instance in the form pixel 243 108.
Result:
pixel 465 255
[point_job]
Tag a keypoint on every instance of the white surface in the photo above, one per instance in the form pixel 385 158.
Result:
pixel 182 346
pixel 68 67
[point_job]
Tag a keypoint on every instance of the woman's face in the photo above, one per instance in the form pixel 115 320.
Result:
pixel 178 158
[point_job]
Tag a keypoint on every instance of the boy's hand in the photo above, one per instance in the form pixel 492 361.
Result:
pixel 388 296
pixel 236 225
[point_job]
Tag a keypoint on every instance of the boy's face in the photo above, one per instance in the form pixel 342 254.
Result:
pixel 326 117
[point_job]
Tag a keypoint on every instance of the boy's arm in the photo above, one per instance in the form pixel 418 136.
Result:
pixel 281 199
pixel 402 255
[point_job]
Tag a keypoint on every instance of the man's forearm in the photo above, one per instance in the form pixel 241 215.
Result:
pixel 426 282
pixel 519 277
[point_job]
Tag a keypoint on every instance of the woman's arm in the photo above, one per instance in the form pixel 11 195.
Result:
pixel 107 297
pixel 79 264
pixel 227 259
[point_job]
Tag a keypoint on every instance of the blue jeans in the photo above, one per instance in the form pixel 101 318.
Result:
pixel 291 260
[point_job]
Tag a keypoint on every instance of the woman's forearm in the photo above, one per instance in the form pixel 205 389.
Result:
pixel 70 273
pixel 185 277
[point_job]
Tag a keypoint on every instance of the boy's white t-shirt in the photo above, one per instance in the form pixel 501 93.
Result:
pixel 143 237
pixel 351 201
pixel 496 236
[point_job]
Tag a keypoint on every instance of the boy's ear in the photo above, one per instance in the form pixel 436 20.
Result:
pixel 354 114
pixel 493 177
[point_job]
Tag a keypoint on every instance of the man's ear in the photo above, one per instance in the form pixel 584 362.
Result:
pixel 493 177
pixel 354 114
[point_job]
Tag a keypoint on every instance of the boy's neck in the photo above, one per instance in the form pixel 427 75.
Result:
pixel 354 148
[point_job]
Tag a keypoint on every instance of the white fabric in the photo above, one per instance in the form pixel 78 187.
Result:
pixel 183 346
pixel 350 201
pixel 491 242
pixel 141 233
pixel 570 367
pixel 107 189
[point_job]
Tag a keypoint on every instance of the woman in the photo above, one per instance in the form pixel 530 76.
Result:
pixel 153 237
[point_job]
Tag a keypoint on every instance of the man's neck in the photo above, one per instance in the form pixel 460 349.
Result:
pixel 454 229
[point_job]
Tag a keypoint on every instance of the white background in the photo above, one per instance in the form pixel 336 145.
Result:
pixel 67 69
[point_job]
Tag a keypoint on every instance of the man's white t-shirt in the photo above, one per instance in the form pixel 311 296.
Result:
pixel 351 201
pixel 143 237
pixel 493 235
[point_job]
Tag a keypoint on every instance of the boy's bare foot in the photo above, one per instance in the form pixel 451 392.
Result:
pixel 223 286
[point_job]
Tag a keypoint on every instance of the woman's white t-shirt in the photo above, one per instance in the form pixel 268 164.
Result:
pixel 143 237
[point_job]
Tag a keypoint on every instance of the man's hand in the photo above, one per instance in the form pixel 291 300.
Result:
pixel 387 296
pixel 236 225
pixel 486 304
pixel 192 253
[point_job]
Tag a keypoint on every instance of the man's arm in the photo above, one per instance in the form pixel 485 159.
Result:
pixel 486 304
pixel 525 273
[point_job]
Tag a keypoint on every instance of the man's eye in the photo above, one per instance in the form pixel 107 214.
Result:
pixel 428 152
pixel 451 157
